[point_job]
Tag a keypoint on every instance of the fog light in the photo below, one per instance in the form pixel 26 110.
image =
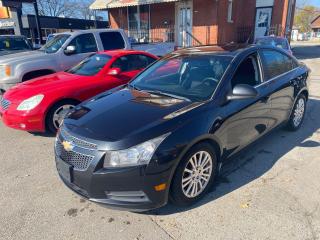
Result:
pixel 160 187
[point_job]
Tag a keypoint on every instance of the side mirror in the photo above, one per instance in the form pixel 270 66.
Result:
pixel 70 50
pixel 114 72
pixel 242 91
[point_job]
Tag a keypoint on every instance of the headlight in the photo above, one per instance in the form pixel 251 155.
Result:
pixel 5 71
pixel 30 103
pixel 134 156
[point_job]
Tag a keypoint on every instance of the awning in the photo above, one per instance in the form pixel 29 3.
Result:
pixel 107 4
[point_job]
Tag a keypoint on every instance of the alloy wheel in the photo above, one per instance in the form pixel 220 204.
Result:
pixel 197 174
pixel 298 112
pixel 60 114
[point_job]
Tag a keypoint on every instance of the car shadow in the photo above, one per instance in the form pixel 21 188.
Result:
pixel 257 159
pixel 43 134
pixel 303 52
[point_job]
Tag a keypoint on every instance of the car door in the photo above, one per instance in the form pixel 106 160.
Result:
pixel 279 76
pixel 85 45
pixel 248 119
pixel 130 65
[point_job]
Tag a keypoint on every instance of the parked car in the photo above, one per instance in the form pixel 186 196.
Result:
pixel 167 133
pixel 10 44
pixel 63 51
pixel 41 104
pixel 279 42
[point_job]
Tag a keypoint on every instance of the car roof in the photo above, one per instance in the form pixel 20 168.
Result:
pixel 77 32
pixel 272 37
pixel 226 50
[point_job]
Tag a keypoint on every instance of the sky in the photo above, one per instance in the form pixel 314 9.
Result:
pixel 309 2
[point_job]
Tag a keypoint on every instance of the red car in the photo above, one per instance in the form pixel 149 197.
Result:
pixel 41 104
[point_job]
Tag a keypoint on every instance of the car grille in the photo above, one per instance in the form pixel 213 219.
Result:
pixel 77 160
pixel 79 142
pixel 5 104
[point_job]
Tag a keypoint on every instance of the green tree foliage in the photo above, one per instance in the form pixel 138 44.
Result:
pixel 304 16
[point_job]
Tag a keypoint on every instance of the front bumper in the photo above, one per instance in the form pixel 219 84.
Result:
pixel 125 189
pixel 26 121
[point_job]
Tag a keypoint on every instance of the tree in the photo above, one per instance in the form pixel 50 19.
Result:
pixel 304 16
pixel 57 8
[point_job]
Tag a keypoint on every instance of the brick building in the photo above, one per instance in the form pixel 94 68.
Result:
pixel 315 25
pixel 199 22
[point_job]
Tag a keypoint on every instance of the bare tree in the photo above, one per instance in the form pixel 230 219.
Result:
pixel 57 8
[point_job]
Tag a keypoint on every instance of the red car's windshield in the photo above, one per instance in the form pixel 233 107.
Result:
pixel 91 65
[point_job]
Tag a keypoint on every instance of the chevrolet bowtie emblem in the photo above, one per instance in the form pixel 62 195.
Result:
pixel 67 146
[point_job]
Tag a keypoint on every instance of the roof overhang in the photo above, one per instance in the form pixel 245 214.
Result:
pixel 107 4
pixel 13 3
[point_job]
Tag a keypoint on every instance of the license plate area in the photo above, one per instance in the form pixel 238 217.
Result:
pixel 65 170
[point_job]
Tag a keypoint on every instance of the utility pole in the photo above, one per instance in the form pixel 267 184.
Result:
pixel 36 10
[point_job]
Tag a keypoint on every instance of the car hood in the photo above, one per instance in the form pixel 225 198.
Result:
pixel 125 113
pixel 41 85
pixel 23 56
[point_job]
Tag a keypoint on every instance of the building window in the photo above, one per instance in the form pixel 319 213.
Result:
pixel 139 23
pixel 230 6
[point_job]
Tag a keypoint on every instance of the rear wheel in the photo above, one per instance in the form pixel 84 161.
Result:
pixel 194 175
pixel 297 115
pixel 57 113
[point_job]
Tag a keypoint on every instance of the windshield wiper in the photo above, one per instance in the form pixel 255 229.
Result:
pixel 167 94
pixel 134 87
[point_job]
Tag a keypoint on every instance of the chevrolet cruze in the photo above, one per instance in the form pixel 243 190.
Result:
pixel 166 134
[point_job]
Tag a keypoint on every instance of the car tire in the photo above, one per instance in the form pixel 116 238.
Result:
pixel 62 107
pixel 298 113
pixel 181 194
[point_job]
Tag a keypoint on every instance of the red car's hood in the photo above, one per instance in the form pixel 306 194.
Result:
pixel 41 85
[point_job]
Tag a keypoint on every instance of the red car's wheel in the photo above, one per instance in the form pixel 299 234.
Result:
pixel 57 113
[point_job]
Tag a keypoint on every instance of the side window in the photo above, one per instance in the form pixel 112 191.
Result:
pixel 112 40
pixel 84 43
pixel 121 63
pixel 132 62
pixel 276 63
pixel 138 62
pixel 247 72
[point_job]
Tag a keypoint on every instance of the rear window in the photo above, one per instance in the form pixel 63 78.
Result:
pixel 275 42
pixel 112 40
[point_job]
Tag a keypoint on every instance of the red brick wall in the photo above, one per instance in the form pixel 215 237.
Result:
pixel 118 18
pixel 205 28
pixel 159 13
pixel 210 24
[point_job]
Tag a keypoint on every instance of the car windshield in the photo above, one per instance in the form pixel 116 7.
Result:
pixel 192 77
pixel 275 42
pixel 14 43
pixel 91 65
pixel 55 43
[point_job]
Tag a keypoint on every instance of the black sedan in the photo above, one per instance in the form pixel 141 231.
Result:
pixel 168 132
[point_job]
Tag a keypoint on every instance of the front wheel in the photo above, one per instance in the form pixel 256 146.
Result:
pixel 57 113
pixel 194 175
pixel 298 113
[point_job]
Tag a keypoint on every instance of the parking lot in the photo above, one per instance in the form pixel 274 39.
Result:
pixel 271 192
